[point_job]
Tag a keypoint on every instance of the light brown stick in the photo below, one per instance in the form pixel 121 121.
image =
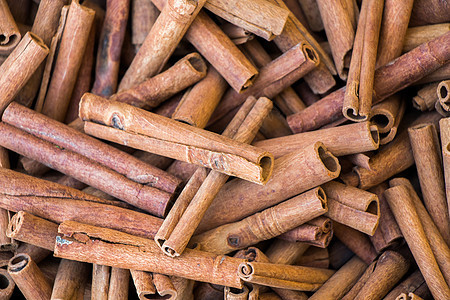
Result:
pixel 426 97
pixel 444 126
pixel 70 280
pixel 100 281
pixel 164 286
pixel 422 34
pixel 143 282
pixel 312 14
pixel 143 15
pixel 118 284
pixel 387 116
pixel 9 32
pixel 356 241
pixel 8 286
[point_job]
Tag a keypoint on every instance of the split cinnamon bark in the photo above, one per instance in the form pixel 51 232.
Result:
pixel 340 33
pixel 9 32
pixel 312 14
pixel 6 243
pixel 58 203
pixel 198 103
pixel 422 34
pixel 20 66
pixel 265 225
pixel 394 26
pixel 426 12
pixel 176 232
pixel 438 245
pixel 143 15
pixel 363 137
pixel 173 139
pixel 387 234
pixel 110 46
pixel 164 36
pixel 273 78
pixel 143 282
pixel 100 281
pixel 29 278
pixel 444 126
pixel 388 80
pixel 426 150
pixel 284 276
pixel 70 280
pixel 258 16
pixel 118 284
pixel 164 286
pixel 387 116
pixel 110 247
pixel 359 88
pixel 8 286
pixel 152 92
pixel 443 92
pixel 342 281
pixel 353 207
pixel 70 55
pixel 356 241
pixel 409 222
pixel 235 200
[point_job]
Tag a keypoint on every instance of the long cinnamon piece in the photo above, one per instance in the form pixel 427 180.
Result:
pixel 136 128
pixel 265 225
pixel 444 126
pixel 387 116
pixel 110 247
pixel 29 278
pixel 284 252
pixel 70 54
pixel 410 284
pixel 8 286
pixel 258 16
pixel 363 137
pixel 153 91
pixel 70 280
pixel 388 80
pixel 433 11
pixel 236 198
pixel 405 213
pixel 143 15
pixel 143 281
pixel 356 241
pixel 426 97
pixel 164 286
pixel 166 33
pixel 312 14
pixel 359 88
pixel 422 34
pixel 100 281
pixel 9 32
pixel 118 284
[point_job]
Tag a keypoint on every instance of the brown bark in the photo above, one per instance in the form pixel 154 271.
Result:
pixel 284 252
pixel 317 232
pixel 9 32
pixel 312 14
pixel 164 286
pixel 143 15
pixel 70 280
pixel 100 281
pixel 387 116
pixel 356 241
pixel 36 253
pixel 444 127
pixel 237 35
pixel 8 285
pixel 275 125
pixel 422 34
pixel 430 12
pixel 143 282
pixel 118 284
pixel 443 92
pixel 410 284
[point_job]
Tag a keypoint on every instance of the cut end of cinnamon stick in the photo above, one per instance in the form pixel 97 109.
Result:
pixel 14 224
pixel 443 93
pixel 196 62
pixel 311 54
pixel 328 159
pixel 18 263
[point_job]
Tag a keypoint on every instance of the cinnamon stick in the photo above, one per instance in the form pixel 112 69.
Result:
pixel 164 36
pixel 29 278
pixel 238 35
pixel 109 247
pixel 364 137
pixel 425 147
pixel 356 241
pixel 236 294
pixel 410 284
pixel 275 125
pixel 260 17
pixel 315 257
pixel 100 281
pixel 36 253
pixel 443 93
pixel 422 34
pixel 143 281
pixel 312 14
pixel 9 32
pixel 70 54
pixel 387 115
pixel 164 286
pixel 312 233
pixel 143 15
pixel 118 284
pixel 206 149
pixel 445 140
pixel 284 252
pixel 153 91
pixel 70 280
pixel 8 286
pixel 236 198
pixel 426 12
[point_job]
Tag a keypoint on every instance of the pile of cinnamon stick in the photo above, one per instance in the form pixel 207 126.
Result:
pixel 235 149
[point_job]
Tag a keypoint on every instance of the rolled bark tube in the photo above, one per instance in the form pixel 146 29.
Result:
pixel 359 88
pixel 410 284
pixel 341 281
pixel 143 282
pixel 143 15
pixel 284 276
pixel 100 281
pixel 312 14
pixel 426 12
pixel 438 245
pixel 265 225
pixel 283 252
pixel 340 33
pixel 236 198
pixel 238 35
pixel 443 92
pixel 153 91
pixel 20 66
pixel 443 73
pixel 275 125
pixel 119 284
pixel 63 203
pixel 438 107
pixel 306 232
pixel 356 241
pixel 383 114
pixel 174 139
pixel 71 139
pixel 364 138
pixel 426 151
pixel 422 34
pixel 198 103
pixel 273 78
pixel 70 280
pixel 164 286
pixel 242 128
pixel 388 80
pixel 70 54
pixel 110 247
pixel 392 111
pixel 405 213
pixel 236 294
pixel 259 17
pixel 9 32
pixel 315 257
pixel 8 285
pixel 6 243
pixel 353 207
pixel 394 27
pixel 444 126
pixel 29 278
pixel 87 170
pixel 110 46
pixel 164 36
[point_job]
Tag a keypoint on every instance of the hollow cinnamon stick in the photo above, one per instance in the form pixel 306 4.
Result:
pixel 143 281
pixel 29 278
pixel 100 281
pixel 9 32
pixel 443 93
pixel 236 294
pixel 70 280
pixel 153 91
pixel 236 198
pixel 364 137
pixel 422 34
pixel 164 286
pixel 80 241
pixel 8 286
pixel 284 252
pixel 36 253
pixel 388 80
pixel 118 284
pixel 410 284
pixel 444 127
pixel 143 15
pixel 70 54
pixel 238 35
pixel 356 241
pixel 265 225
pixel 275 125
pixel 238 159
pixel 405 213
pixel 318 235
pixel 260 17
pixel 312 14
pixel 164 36
pixel 387 116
